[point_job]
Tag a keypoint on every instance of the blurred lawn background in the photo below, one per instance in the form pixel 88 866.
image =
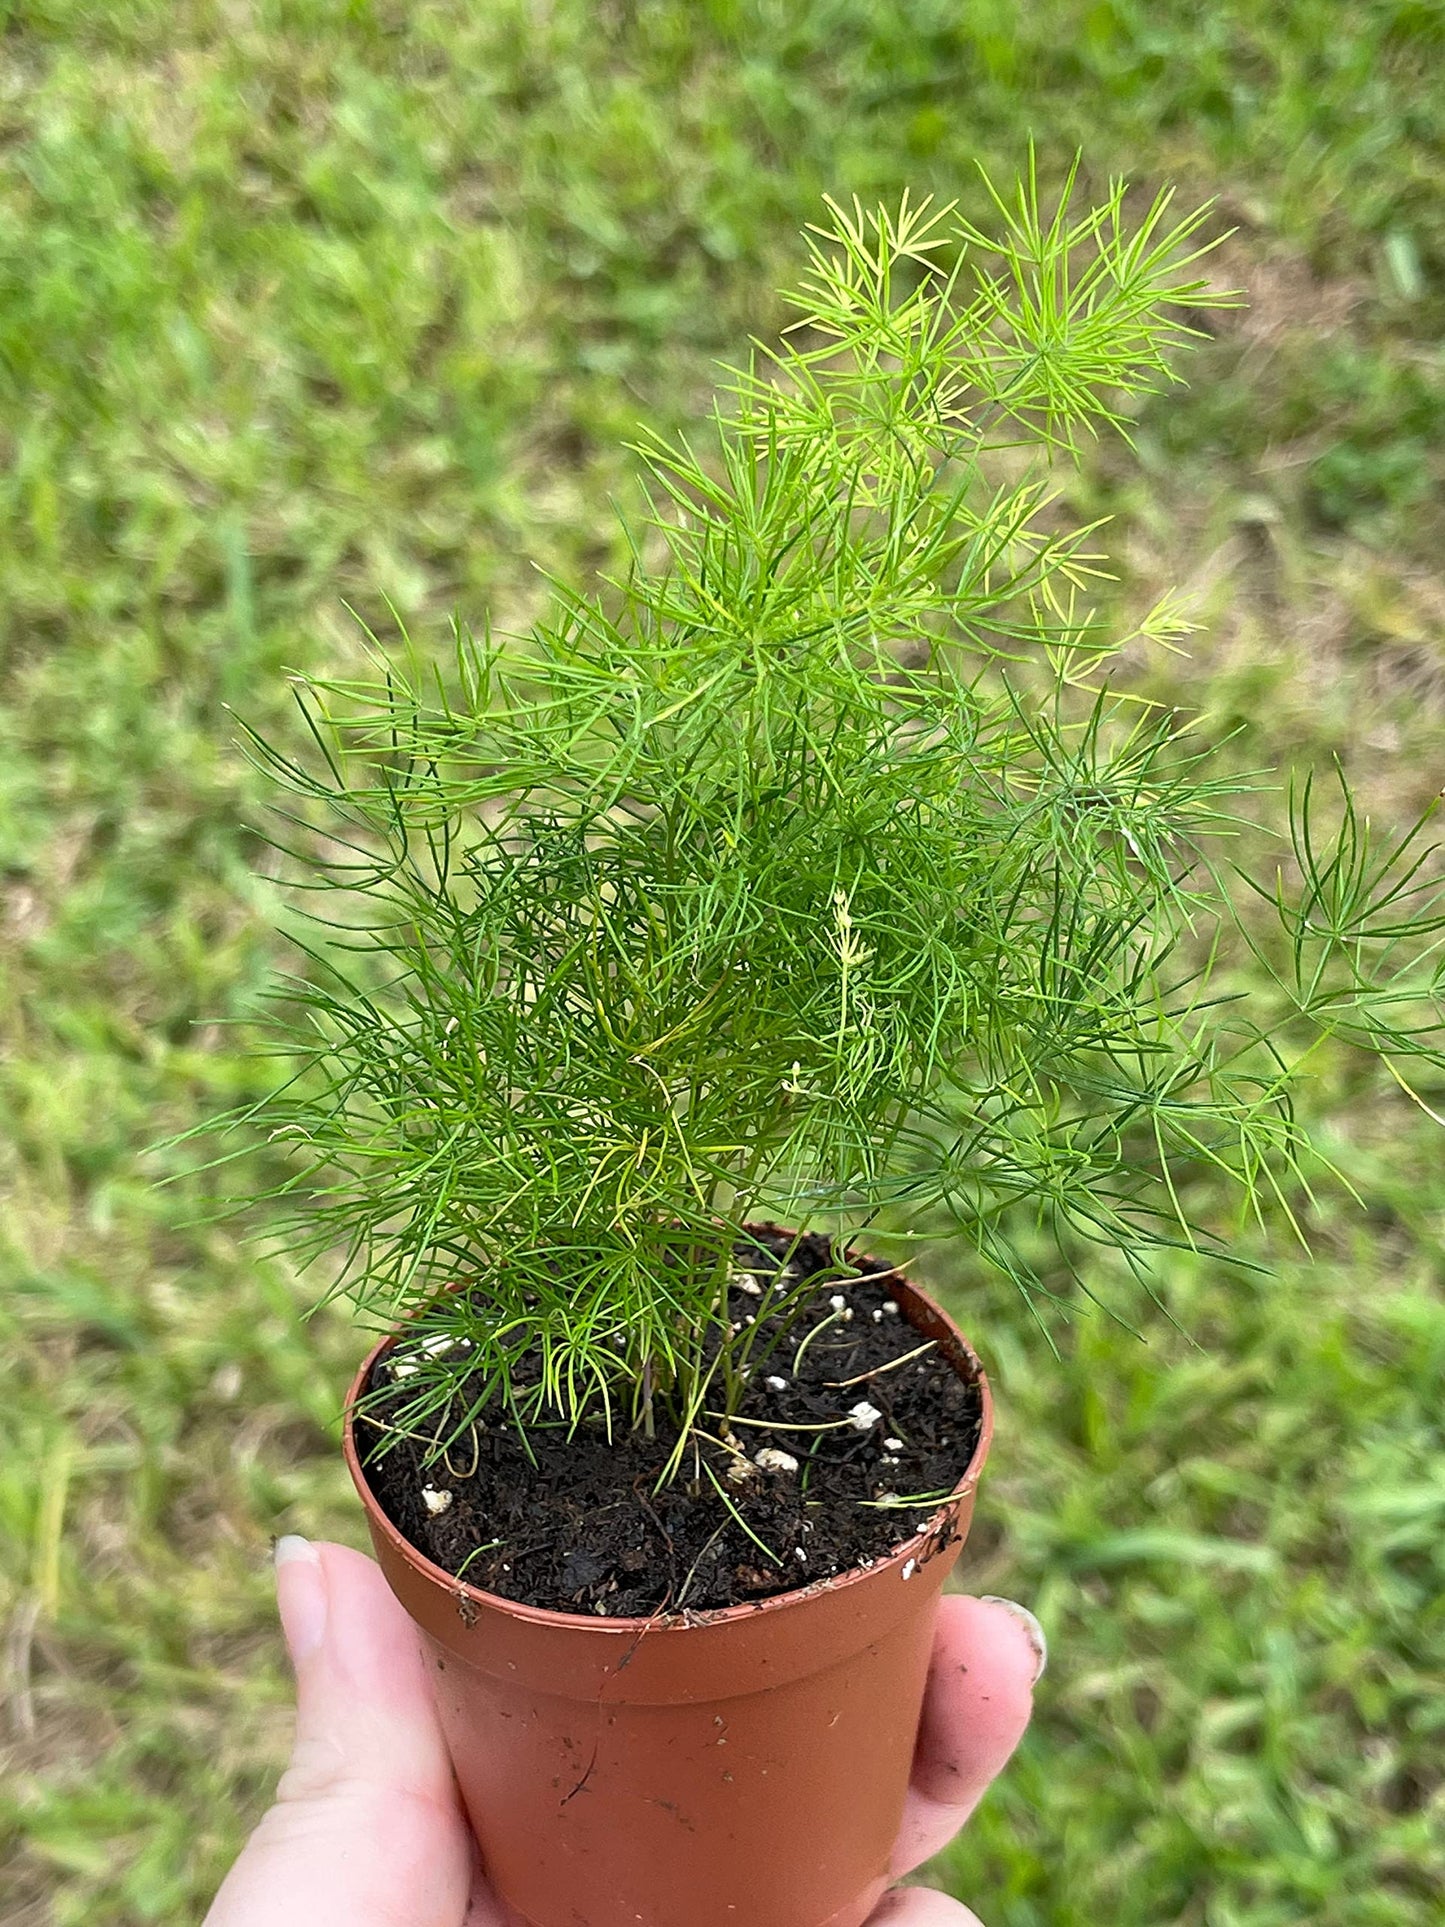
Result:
pixel 321 301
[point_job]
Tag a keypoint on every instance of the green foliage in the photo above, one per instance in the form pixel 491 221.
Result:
pixel 814 868
pixel 347 300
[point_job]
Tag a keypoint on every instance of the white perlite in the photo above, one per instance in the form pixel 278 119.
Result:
pixel 910 1568
pixel 863 1416
pixel 772 1460
pixel 438 1345
pixel 775 1384
pixel 435 1501
pixel 892 1309
pixel 892 1445
pixel 838 1301
pixel 442 1344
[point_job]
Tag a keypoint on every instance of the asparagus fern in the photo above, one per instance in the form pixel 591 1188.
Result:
pixel 813 867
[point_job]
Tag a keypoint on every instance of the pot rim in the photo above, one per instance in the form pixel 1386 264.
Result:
pixel 687 1620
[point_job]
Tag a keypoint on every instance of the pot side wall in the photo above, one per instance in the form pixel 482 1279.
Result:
pixel 744 1768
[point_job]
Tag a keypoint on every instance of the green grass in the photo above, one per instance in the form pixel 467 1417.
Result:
pixel 313 303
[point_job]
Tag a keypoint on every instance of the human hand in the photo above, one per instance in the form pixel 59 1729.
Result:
pixel 367 1830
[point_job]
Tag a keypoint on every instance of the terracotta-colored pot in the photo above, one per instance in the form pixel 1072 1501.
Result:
pixel 737 1768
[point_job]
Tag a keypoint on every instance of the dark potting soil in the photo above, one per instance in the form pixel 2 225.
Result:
pixel 583 1527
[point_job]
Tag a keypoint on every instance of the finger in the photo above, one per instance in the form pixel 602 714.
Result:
pixel 366 1825
pixel 485 1909
pixel 987 1654
pixel 921 1907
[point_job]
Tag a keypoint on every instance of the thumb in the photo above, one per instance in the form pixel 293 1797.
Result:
pixel 921 1907
pixel 366 1825
pixel 987 1656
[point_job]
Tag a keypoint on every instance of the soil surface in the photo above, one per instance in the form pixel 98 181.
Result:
pixel 585 1528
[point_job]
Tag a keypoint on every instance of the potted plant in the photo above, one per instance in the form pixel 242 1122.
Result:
pixel 808 878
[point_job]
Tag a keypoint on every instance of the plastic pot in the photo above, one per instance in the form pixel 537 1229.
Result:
pixel 736 1768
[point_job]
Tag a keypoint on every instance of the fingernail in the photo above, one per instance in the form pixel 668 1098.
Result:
pixel 1032 1629
pixel 300 1595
